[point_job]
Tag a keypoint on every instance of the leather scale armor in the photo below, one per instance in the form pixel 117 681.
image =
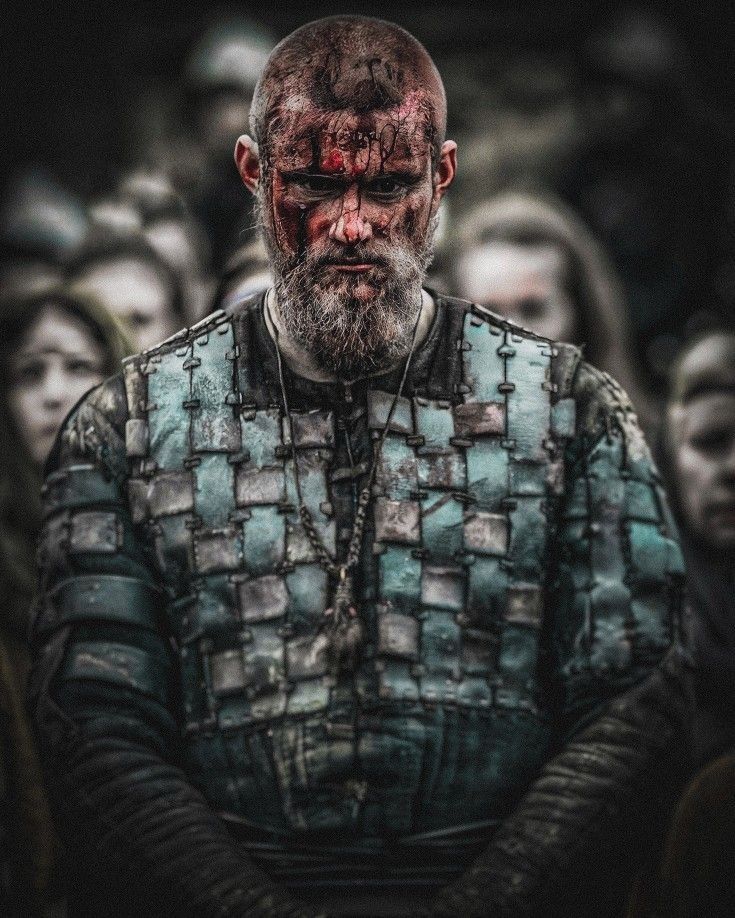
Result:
pixel 498 605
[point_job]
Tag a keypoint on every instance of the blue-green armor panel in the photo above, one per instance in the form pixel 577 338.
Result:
pixel 514 576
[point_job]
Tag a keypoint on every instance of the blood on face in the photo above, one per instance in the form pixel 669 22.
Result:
pixel 373 167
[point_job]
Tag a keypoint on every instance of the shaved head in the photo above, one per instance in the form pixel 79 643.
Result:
pixel 348 63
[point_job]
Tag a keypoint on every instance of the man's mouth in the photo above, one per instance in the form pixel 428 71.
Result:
pixel 352 265
pixel 355 269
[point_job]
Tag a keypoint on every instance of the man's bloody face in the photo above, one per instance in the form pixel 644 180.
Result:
pixel 347 179
pixel 348 204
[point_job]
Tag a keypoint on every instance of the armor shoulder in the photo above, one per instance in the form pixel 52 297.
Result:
pixel 184 336
pixel 94 430
pixel 498 321
pixel 602 405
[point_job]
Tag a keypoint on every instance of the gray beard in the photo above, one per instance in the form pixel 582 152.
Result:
pixel 345 335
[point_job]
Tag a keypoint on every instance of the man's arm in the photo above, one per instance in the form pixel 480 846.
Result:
pixel 103 694
pixel 619 686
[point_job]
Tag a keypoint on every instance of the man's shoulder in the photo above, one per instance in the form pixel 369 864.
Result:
pixel 601 402
pixel 180 339
pixel 564 360
pixel 94 430
pixel 218 320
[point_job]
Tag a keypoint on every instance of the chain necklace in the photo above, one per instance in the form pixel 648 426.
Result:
pixel 342 625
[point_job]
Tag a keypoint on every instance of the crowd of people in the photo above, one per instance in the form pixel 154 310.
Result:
pixel 85 283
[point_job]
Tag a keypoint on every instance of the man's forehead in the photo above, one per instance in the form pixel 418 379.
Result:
pixel 306 133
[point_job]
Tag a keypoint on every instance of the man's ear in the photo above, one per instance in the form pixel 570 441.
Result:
pixel 445 170
pixel 248 162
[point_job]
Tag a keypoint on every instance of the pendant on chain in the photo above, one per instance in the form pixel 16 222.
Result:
pixel 344 627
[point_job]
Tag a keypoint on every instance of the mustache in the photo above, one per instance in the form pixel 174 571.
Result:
pixel 379 253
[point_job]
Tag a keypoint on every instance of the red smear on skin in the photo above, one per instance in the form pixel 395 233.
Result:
pixel 333 163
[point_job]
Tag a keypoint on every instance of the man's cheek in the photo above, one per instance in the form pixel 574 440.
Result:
pixel 299 226
pixel 409 220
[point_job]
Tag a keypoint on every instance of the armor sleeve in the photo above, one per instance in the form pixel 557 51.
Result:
pixel 103 699
pixel 617 677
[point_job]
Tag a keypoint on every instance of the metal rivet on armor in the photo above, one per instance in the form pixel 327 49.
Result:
pixel 237 458
pixel 418 495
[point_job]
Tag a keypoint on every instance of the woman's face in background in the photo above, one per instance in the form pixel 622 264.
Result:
pixel 526 284
pixel 55 363
pixel 134 291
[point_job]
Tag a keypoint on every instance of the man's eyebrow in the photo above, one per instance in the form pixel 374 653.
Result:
pixel 310 173
pixel 400 175
pixel 341 178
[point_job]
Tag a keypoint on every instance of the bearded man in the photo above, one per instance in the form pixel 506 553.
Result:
pixel 358 600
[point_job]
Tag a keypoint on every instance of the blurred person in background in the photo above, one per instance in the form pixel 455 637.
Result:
pixel 699 463
pixel 173 231
pixel 531 259
pixel 41 226
pixel 130 279
pixel 247 271
pixel 53 348
pixel 697 873
pixel 219 78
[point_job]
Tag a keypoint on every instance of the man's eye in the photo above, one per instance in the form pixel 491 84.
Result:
pixel 386 187
pixel 316 185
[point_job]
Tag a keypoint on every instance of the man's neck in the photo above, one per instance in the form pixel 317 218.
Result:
pixel 302 363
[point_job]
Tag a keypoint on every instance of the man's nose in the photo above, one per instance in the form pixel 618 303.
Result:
pixel 350 227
